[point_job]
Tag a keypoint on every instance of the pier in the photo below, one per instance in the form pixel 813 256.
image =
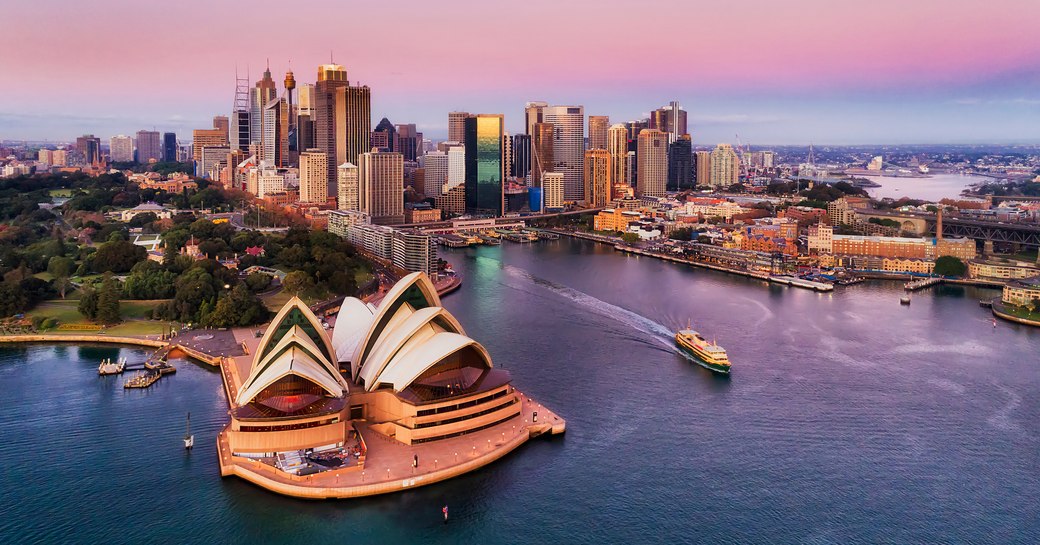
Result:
pixel 922 283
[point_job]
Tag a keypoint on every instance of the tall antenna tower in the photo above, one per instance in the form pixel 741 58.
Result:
pixel 241 92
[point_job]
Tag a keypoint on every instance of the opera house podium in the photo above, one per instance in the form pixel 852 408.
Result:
pixel 388 401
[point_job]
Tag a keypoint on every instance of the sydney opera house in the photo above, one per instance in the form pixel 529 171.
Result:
pixel 396 396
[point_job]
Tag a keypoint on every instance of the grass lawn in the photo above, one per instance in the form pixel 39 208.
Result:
pixel 362 276
pixel 276 301
pixel 1020 312
pixel 134 312
pixel 45 276
pixel 61 192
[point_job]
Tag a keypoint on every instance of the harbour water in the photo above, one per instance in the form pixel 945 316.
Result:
pixel 848 419
pixel 933 188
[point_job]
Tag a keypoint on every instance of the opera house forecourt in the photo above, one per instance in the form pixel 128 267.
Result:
pixel 396 397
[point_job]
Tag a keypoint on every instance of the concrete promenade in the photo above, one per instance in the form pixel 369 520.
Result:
pixel 387 466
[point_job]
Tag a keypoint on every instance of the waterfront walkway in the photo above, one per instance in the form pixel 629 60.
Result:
pixel 388 463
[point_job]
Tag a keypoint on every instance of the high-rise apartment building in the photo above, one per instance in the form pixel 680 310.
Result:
pixel 169 146
pixel 121 149
pixel 381 177
pixel 568 147
pixel 725 166
pixel 680 163
pixel 702 164
pixel 599 125
pixel 457 126
pixel 348 182
pixel 552 185
pixel 485 172
pixel 435 172
pixel 314 177
pixel 598 181
pixel 617 146
pixel 652 163
pixel 149 147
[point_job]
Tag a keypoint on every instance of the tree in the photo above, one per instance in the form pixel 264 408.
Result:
pixel 88 302
pixel 62 284
pixel 258 281
pixel 298 282
pixel 117 256
pixel 630 238
pixel 949 265
pixel 61 267
pixel 108 301
pixel 240 307
pixel 682 233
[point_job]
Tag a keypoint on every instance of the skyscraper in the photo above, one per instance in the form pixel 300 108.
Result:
pixel 598 127
pixel 541 152
pixel 260 95
pixel 200 138
pixel 725 166
pixel 702 162
pixel 89 146
pixel 670 119
pixel 456 166
pixel 507 153
pixel 382 186
pixel 169 151
pixel 598 181
pixel 521 162
pixel 652 163
pixel 568 147
pixel 552 185
pixel 221 122
pixel 533 114
pixel 121 149
pixel 384 136
pixel 331 78
pixel 617 146
pixel 409 141
pixel 314 177
pixel 457 126
pixel 485 174
pixel 435 172
pixel 305 116
pixel 353 122
pixel 149 148
pixel 275 138
pixel 348 194
pixel 680 163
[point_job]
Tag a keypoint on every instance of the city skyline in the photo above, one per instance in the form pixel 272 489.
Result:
pixel 932 72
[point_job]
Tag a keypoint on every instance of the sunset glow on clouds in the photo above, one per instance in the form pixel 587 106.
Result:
pixel 774 71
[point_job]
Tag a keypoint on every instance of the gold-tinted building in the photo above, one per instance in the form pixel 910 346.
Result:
pixel 598 181
pixel 651 163
pixel 599 125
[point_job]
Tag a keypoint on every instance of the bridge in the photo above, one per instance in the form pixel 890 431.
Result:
pixel 1000 232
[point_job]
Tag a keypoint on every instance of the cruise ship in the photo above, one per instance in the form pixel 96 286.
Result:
pixel 708 354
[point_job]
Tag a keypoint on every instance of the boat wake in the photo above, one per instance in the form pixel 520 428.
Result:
pixel 633 320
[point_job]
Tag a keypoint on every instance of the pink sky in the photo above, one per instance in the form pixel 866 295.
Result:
pixel 173 61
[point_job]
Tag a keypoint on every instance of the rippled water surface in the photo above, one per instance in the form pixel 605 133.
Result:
pixel 848 419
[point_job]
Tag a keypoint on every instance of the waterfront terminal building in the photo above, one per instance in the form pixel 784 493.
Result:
pixel 388 401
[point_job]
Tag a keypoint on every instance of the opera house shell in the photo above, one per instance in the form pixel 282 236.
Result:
pixel 404 370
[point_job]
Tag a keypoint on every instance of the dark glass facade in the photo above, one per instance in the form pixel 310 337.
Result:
pixel 170 146
pixel 521 164
pixel 680 164
pixel 484 165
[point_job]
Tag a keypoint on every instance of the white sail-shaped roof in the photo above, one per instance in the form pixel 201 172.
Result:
pixel 294 313
pixel 294 361
pixel 352 322
pixel 415 291
pixel 421 324
pixel 294 338
pixel 413 361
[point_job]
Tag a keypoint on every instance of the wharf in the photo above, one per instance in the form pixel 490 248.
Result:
pixel 922 283
pixel 750 274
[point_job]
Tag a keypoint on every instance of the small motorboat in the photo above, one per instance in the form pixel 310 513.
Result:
pixel 189 439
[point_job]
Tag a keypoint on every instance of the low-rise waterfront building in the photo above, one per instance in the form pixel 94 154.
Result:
pixel 1022 292
pixel 1001 270
pixel 614 219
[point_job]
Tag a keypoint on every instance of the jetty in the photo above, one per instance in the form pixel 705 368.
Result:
pixel 922 283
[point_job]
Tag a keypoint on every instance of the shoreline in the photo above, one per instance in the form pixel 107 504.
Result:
pixel 873 275
pixel 997 310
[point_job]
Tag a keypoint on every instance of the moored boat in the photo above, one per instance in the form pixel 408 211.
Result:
pixel 707 354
